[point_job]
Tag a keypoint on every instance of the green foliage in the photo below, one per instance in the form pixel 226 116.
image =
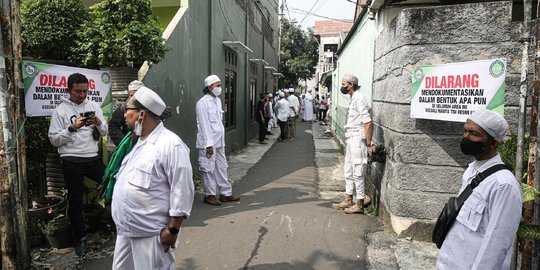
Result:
pixel 58 223
pixel 49 27
pixel 507 149
pixel 37 147
pixel 529 193
pixel 299 53
pixel 528 231
pixel 120 31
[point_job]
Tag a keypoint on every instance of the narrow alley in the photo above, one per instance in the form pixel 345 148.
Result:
pixel 279 223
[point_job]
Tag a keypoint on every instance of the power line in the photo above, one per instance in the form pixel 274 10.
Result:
pixel 299 11
pixel 308 13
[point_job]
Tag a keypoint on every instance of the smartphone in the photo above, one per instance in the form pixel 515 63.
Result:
pixel 89 114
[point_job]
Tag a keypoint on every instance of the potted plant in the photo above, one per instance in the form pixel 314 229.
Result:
pixel 57 230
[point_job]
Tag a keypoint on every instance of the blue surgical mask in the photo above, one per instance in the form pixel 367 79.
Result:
pixel 217 91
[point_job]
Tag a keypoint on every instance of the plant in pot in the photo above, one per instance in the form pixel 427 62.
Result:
pixel 58 229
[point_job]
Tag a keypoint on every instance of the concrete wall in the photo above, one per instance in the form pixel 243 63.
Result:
pixel 424 164
pixel 200 27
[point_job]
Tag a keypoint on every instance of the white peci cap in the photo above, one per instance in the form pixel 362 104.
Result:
pixel 150 100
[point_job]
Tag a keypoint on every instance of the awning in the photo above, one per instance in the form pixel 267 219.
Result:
pixel 278 74
pixel 270 67
pixel 258 61
pixel 325 75
pixel 237 46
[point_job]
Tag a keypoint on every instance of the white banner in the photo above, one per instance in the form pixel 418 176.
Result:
pixel 45 86
pixel 451 92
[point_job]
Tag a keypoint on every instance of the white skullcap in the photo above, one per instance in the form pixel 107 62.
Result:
pixel 351 79
pixel 281 94
pixel 150 100
pixel 135 85
pixel 291 90
pixel 270 95
pixel 491 122
pixel 211 80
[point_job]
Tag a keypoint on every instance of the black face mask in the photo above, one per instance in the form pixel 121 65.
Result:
pixel 344 90
pixel 471 148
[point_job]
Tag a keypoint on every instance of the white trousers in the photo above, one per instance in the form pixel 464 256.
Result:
pixel 141 253
pixel 355 166
pixel 214 172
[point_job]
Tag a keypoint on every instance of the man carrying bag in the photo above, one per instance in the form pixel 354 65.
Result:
pixel 488 209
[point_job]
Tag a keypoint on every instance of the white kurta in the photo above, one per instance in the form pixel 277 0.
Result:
pixel 482 235
pixel 211 132
pixel 307 115
pixel 283 108
pixel 154 183
pixel 356 150
pixel 210 129
pixel 295 104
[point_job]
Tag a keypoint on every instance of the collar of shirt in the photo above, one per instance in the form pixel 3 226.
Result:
pixel 479 166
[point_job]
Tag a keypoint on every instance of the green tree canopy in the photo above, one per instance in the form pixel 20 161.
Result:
pixel 120 31
pixel 49 27
pixel 299 53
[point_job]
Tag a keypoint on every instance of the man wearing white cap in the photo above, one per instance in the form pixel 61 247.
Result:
pixel 117 125
pixel 211 144
pixel 481 236
pixel 358 134
pixel 283 108
pixel 154 189
pixel 293 114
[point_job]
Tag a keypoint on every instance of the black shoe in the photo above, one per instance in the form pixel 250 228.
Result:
pixel 81 248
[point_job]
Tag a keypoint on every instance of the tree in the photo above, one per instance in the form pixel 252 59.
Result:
pixel 120 31
pixel 299 53
pixel 49 27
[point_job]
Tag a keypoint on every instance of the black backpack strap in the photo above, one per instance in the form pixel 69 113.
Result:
pixel 483 175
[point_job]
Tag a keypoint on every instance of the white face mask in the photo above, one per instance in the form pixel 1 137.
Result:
pixel 217 91
pixel 138 128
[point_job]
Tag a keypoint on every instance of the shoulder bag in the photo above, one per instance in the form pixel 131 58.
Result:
pixel 452 207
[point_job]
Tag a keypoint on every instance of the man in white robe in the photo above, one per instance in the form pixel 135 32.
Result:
pixel 211 144
pixel 307 114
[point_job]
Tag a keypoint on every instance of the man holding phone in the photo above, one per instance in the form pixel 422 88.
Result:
pixel 76 126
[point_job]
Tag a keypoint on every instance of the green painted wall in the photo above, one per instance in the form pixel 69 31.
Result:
pixel 197 51
pixel 355 58
pixel 165 15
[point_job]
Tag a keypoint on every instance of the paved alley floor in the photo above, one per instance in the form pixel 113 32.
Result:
pixel 279 223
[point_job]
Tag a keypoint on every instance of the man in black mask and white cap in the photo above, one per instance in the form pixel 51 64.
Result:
pixel 482 234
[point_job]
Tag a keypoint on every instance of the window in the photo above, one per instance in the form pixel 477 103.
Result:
pixel 253 90
pixel 229 108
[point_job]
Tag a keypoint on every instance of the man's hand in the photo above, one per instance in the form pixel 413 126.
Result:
pixel 79 123
pixel 209 151
pixel 93 120
pixel 369 150
pixel 167 239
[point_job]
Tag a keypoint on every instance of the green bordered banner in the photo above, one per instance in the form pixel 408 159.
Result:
pixel 452 92
pixel 45 87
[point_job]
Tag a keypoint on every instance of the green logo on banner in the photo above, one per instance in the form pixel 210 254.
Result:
pixel 418 74
pixel 30 69
pixel 496 69
pixel 105 77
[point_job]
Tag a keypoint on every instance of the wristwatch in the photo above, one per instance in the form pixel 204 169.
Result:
pixel 173 230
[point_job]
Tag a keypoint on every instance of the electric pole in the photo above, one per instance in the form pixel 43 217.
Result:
pixel 13 193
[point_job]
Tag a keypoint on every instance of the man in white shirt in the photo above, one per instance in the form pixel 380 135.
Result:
pixel 481 236
pixel 358 132
pixel 76 126
pixel 211 144
pixel 293 114
pixel 154 189
pixel 283 108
